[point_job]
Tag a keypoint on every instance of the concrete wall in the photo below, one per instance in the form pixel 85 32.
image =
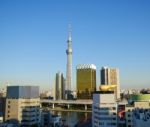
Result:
pixel 104 98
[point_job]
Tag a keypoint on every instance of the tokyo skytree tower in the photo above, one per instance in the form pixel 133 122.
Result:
pixel 69 62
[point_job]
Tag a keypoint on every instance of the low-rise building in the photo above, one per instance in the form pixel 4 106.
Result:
pixel 48 119
pixel 138 111
pixel 104 109
pixel 23 105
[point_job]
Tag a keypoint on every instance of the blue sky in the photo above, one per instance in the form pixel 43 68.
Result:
pixel 33 35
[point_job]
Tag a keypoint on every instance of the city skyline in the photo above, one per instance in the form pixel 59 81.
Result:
pixel 34 39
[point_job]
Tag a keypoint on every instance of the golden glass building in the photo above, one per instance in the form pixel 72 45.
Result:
pixel 86 81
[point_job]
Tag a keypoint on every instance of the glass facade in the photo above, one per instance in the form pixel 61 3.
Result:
pixel 86 83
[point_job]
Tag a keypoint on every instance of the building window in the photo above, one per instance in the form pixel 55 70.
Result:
pixel 114 118
pixel 129 120
pixel 129 115
pixel 95 122
pixel 101 123
pixel 114 108
pixel 114 113
pixel 113 123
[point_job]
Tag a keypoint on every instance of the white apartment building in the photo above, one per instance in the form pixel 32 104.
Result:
pixel 104 109
pixel 129 116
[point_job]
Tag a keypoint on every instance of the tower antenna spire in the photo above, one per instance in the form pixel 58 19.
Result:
pixel 69 31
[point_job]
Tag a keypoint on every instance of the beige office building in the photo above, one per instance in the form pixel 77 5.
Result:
pixel 23 106
pixel 110 76
pixel 86 81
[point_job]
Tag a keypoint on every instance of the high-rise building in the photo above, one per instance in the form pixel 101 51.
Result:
pixel 110 76
pixel 23 105
pixel 69 63
pixel 59 86
pixel 86 81
pixel 104 109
